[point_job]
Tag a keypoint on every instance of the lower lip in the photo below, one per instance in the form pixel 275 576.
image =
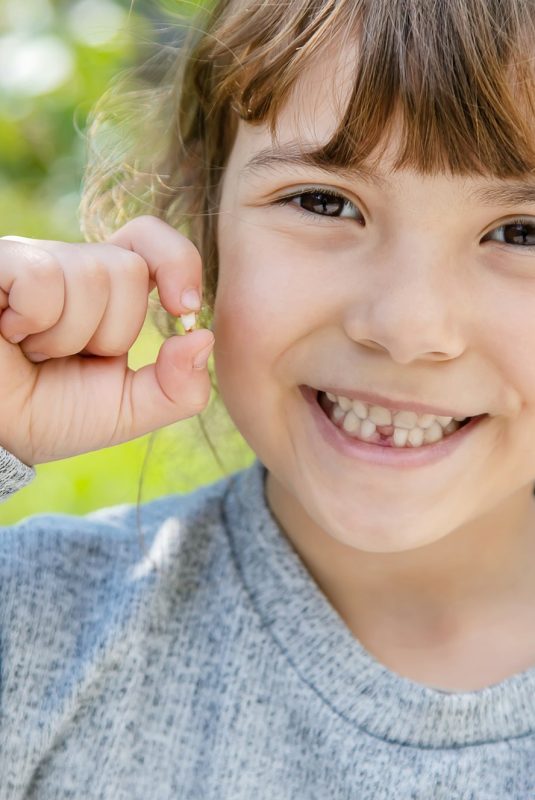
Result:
pixel 404 457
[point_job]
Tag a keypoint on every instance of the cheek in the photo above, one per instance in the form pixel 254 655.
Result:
pixel 266 287
pixel 275 276
pixel 263 310
pixel 504 333
pixel 245 315
pixel 248 341
pixel 251 339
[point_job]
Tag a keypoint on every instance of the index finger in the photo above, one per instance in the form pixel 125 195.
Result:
pixel 173 261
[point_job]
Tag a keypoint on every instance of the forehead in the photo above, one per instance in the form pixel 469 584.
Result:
pixel 360 111
pixel 318 99
pixel 311 117
pixel 258 153
pixel 313 113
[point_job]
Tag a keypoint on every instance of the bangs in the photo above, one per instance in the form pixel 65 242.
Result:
pixel 455 78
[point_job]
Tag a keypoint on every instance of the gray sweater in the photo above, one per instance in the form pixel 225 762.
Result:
pixel 207 665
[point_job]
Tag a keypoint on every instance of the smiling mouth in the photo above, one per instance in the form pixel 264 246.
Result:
pixel 365 430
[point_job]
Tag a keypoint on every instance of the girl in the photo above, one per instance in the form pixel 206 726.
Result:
pixel 352 616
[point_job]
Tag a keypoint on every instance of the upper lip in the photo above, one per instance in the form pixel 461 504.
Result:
pixel 394 405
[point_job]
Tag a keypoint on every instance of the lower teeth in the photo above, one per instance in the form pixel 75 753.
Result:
pixel 370 434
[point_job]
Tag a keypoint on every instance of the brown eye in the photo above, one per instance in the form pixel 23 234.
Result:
pixel 520 232
pixel 321 203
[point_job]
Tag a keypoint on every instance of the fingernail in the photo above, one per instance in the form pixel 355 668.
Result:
pixel 36 356
pixel 16 339
pixel 190 299
pixel 201 359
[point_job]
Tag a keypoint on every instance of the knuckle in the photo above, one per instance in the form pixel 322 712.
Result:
pixel 141 222
pixel 44 266
pixel 190 251
pixel 134 266
pixel 145 219
pixel 96 272
pixel 148 221
pixel 46 316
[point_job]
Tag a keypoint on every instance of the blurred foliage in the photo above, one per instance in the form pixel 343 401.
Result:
pixel 56 58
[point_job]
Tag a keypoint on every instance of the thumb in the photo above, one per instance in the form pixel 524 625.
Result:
pixel 171 389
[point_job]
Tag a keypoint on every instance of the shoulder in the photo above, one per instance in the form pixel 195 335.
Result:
pixel 120 533
pixel 109 557
pixel 81 593
pixel 85 599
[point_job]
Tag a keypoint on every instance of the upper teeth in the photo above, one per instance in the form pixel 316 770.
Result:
pixel 380 415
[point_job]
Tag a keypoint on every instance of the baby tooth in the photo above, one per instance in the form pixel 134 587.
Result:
pixel 380 416
pixel 360 409
pixel 344 403
pixel 433 434
pixel 188 321
pixel 367 429
pixel 331 397
pixel 337 414
pixel 400 437
pixel 351 422
pixel 405 419
pixel 426 420
pixel 416 437
pixel 444 421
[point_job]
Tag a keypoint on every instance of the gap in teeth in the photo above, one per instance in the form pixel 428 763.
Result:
pixel 376 423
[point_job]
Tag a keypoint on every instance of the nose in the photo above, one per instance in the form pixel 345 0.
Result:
pixel 408 305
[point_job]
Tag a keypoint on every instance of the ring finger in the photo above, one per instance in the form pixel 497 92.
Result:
pixel 87 290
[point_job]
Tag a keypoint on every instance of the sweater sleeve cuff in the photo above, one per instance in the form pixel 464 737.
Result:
pixel 14 474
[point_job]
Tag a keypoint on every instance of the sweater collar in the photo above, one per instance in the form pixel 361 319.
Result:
pixel 332 661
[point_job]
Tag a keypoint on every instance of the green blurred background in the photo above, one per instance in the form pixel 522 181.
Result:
pixel 56 59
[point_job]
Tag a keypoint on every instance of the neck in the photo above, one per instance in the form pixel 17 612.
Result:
pixel 441 590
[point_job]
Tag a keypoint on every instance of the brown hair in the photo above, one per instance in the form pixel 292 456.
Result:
pixel 457 74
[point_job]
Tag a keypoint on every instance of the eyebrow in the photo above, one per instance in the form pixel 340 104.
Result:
pixel 292 155
pixel 505 194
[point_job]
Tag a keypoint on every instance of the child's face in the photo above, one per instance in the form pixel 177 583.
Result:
pixel 408 295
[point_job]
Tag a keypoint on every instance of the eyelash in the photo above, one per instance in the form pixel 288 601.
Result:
pixel 309 215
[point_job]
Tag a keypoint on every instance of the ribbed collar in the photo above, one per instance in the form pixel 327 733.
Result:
pixel 333 662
